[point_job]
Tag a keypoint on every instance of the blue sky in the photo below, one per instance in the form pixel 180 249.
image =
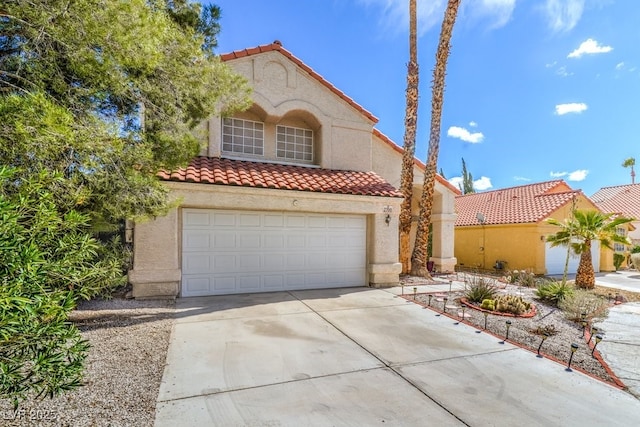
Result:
pixel 536 89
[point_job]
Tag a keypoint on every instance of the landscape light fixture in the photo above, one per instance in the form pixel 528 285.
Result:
pixel 598 339
pixel 429 296
pixel 584 326
pixel 444 306
pixel 415 291
pixel 594 331
pixel 544 337
pixel 574 348
pixel 463 308
pixel 486 314
pixel 506 337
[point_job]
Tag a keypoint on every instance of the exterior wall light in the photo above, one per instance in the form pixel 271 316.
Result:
pixel 387 219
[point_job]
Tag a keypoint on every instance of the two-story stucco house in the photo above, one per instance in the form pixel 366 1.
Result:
pixel 297 192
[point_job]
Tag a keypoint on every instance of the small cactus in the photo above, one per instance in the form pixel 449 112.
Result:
pixel 488 304
pixel 511 304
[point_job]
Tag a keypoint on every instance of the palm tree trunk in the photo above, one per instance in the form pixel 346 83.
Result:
pixel 585 276
pixel 419 255
pixel 410 125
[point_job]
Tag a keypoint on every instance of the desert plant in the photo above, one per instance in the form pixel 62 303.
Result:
pixel 618 259
pixel 512 304
pixel 479 288
pixel 488 304
pixel 554 291
pixel 583 304
pixel 548 330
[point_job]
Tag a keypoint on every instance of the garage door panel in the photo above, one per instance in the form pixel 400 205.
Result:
pixel 236 251
pixel 224 219
pixel 222 240
pixel 249 283
pixel 249 241
pixel 194 218
pixel 295 221
pixel 198 263
pixel 196 241
pixel 249 220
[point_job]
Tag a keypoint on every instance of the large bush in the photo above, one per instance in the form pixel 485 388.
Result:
pixel 47 260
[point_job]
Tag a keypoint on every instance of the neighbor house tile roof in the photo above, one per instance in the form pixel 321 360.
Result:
pixel 384 138
pixel 276 46
pixel 622 199
pixel 220 171
pixel 523 204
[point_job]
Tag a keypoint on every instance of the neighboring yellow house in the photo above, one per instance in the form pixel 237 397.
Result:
pixel 623 200
pixel 297 192
pixel 507 227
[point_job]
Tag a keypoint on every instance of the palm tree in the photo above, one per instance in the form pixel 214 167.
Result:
pixel 410 125
pixel 630 163
pixel 419 257
pixel 579 231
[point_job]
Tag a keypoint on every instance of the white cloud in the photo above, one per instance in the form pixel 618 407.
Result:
pixel 483 183
pixel 499 12
pixel 394 16
pixel 456 181
pixel 551 64
pixel 473 124
pixel 521 178
pixel 563 15
pixel 578 175
pixel 562 71
pixel 465 135
pixel 589 47
pixel 573 107
pixel 619 65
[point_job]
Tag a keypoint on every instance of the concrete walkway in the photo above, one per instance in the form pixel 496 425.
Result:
pixel 359 357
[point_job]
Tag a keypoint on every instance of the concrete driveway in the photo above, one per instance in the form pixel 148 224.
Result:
pixel 360 357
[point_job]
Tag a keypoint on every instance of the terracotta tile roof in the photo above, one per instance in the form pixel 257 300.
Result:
pixel 524 204
pixel 622 199
pixel 276 46
pixel 417 162
pixel 219 171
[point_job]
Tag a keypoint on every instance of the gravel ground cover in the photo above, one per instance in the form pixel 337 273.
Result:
pixel 124 368
pixel 524 331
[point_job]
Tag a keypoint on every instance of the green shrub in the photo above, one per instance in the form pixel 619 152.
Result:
pixel 583 302
pixel 48 260
pixel 479 289
pixel 512 304
pixel 618 259
pixel 522 278
pixel 554 291
pixel 635 249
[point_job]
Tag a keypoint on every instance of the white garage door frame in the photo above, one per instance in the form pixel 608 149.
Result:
pixel 234 251
pixel 555 258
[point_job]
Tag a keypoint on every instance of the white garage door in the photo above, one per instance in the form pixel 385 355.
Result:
pixel 228 252
pixel 555 257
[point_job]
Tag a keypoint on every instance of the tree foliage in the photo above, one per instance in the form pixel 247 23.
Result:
pixel 47 260
pixel 131 81
pixel 96 96
pixel 580 230
pixel 467 180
